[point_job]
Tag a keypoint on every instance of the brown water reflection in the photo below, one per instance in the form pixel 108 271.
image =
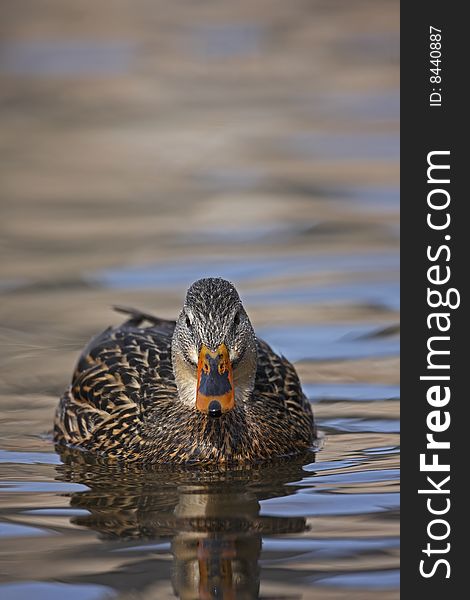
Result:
pixel 209 520
pixel 145 144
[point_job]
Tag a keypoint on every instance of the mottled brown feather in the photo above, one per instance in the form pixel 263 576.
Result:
pixel 123 404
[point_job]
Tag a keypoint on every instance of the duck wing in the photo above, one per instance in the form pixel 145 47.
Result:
pixel 137 317
pixel 118 375
pixel 278 387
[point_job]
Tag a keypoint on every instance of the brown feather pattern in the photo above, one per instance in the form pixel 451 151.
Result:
pixel 123 404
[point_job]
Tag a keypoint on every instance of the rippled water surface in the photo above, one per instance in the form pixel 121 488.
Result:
pixel 149 144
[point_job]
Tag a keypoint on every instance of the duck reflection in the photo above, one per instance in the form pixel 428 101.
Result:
pixel 211 516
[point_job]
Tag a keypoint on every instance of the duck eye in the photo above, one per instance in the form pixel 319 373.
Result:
pixel 236 320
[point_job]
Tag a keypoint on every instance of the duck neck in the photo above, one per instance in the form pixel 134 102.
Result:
pixel 185 378
pixel 244 376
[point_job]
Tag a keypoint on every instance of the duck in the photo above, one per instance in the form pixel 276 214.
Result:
pixel 202 389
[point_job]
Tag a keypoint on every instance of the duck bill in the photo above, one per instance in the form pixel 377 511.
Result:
pixel 215 393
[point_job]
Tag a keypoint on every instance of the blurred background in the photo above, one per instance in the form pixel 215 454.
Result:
pixel 145 144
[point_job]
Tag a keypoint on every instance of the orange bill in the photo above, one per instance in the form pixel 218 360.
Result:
pixel 215 568
pixel 215 394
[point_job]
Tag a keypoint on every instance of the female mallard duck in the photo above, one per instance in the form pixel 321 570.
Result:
pixel 203 389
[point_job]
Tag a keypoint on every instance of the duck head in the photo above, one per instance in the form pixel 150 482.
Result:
pixel 214 348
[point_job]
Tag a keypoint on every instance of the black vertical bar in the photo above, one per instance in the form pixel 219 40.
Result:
pixel 430 124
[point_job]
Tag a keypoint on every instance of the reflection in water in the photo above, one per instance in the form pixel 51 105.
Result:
pixel 211 516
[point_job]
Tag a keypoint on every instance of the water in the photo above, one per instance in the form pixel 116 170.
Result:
pixel 105 531
pixel 143 148
pixel 66 59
